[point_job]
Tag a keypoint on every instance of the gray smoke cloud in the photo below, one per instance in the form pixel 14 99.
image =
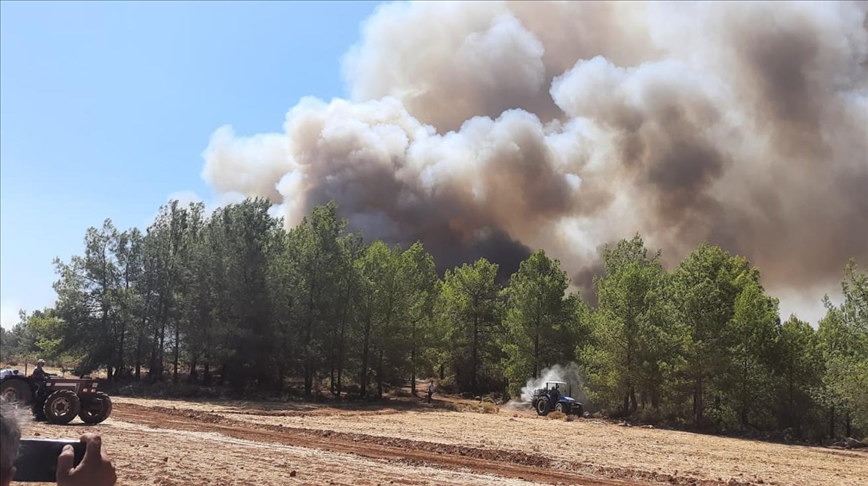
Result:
pixel 492 128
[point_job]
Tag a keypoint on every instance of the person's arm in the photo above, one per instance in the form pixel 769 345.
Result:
pixel 95 469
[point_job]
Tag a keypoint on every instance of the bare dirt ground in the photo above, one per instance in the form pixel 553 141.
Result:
pixel 168 442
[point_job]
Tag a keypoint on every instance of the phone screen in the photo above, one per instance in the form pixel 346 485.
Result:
pixel 37 458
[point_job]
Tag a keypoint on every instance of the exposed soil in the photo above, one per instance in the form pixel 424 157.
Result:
pixel 167 442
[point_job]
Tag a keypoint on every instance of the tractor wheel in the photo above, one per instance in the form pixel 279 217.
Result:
pixel 96 409
pixel 61 407
pixel 559 407
pixel 15 390
pixel 578 410
pixel 543 408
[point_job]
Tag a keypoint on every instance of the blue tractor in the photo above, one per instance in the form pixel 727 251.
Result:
pixel 552 397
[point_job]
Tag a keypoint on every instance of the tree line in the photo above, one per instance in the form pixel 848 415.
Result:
pixel 232 299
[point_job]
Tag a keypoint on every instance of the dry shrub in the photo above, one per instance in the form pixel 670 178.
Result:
pixel 477 407
pixel 489 408
pixel 557 416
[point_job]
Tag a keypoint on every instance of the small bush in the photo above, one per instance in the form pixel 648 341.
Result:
pixel 557 416
pixel 476 407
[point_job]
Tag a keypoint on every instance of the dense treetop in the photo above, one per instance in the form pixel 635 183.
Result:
pixel 233 300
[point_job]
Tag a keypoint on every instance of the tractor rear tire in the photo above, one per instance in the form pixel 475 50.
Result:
pixel 543 408
pixel 61 407
pixel 96 409
pixel 559 407
pixel 15 390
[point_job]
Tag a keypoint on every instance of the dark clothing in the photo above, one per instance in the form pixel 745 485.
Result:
pixel 39 376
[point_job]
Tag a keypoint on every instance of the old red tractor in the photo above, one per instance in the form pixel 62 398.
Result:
pixel 57 400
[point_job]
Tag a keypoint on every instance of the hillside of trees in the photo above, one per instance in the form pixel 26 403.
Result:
pixel 232 300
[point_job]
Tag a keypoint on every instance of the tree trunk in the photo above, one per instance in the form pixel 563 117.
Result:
pixel 192 377
pixel 697 400
pixel 343 335
pixel 630 398
pixel 308 377
pixel 847 424
pixel 223 370
pixel 162 342
pixel 121 350
pixel 413 363
pixel 206 375
pixel 474 355
pixel 139 359
pixel 413 383
pixel 791 411
pixel 332 377
pixel 536 354
pixel 363 379
pixel 308 358
pixel 177 352
pixel 340 369
pixel 152 369
pixel 380 375
pixel 832 423
pixel 744 394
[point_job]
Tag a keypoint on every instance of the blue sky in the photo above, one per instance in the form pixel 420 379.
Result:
pixel 105 108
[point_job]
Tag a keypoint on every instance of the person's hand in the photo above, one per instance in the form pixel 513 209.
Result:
pixel 95 469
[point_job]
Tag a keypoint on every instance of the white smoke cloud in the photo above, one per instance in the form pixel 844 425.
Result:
pixel 570 374
pixel 8 313
pixel 488 128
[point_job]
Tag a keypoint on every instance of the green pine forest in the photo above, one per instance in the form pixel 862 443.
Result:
pixel 234 302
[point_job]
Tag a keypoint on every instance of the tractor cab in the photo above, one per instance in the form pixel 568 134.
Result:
pixel 556 396
pixel 557 387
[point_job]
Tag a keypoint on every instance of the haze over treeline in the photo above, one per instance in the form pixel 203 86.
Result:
pixel 233 302
pixel 494 128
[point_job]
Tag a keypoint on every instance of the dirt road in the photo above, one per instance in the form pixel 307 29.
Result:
pixel 157 442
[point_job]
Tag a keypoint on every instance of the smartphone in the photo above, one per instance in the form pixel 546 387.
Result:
pixel 37 459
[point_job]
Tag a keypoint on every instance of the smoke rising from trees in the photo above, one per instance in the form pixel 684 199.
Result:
pixel 486 129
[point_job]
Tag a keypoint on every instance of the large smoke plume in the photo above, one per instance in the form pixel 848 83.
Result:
pixel 490 128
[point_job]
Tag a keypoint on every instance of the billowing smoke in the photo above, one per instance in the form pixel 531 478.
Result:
pixel 569 374
pixel 492 128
